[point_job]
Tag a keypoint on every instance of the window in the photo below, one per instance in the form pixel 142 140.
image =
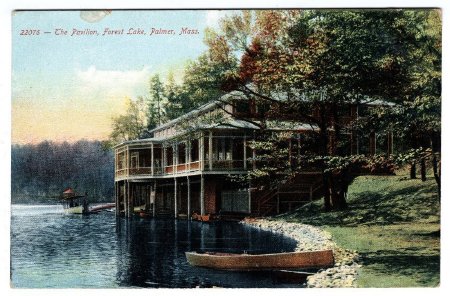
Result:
pixel 134 160
pixel 194 150
pixel 181 153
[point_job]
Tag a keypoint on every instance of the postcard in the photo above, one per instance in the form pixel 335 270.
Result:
pixel 236 148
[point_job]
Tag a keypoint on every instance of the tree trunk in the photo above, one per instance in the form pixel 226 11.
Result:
pixel 337 193
pixel 437 173
pixel 423 169
pixel 412 170
pixel 326 192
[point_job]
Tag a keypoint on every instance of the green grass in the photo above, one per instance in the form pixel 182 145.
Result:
pixel 393 223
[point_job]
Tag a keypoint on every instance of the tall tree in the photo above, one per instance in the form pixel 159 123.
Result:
pixel 156 104
pixel 132 124
pixel 324 60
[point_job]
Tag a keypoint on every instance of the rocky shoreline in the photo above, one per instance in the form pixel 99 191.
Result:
pixel 309 238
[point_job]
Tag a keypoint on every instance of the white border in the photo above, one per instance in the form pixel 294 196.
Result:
pixel 7 6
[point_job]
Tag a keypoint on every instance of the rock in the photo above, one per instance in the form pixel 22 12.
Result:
pixel 310 238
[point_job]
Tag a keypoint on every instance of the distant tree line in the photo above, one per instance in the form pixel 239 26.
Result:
pixel 40 172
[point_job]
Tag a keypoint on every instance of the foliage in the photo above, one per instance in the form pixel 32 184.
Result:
pixel 324 60
pixel 156 111
pixel 131 125
pixel 40 172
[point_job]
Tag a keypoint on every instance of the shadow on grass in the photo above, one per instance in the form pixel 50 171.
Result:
pixel 423 267
pixel 369 207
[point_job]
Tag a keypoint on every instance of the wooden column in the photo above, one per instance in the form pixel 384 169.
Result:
pixel 164 160
pixel 174 158
pixel 127 199
pixel 245 152
pixel 175 191
pixel 153 160
pixel 202 195
pixel 188 154
pixel 116 159
pixel 153 193
pixel 188 197
pixel 116 197
pixel 128 161
pixel 210 151
pixel 124 198
pixel 201 148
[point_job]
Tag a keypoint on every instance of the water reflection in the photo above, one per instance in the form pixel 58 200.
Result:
pixel 54 250
pixel 152 253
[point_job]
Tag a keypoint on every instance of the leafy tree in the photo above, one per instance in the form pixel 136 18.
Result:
pixel 323 60
pixel 156 104
pixel 130 125
pixel 178 102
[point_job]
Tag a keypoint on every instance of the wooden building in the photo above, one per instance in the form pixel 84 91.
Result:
pixel 185 167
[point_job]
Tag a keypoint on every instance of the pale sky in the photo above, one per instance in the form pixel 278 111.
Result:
pixel 69 87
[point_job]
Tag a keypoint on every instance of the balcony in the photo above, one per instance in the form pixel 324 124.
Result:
pixel 219 153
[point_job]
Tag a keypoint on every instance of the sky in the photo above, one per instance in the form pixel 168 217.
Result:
pixel 69 87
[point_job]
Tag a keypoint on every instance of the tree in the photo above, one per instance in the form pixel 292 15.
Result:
pixel 178 102
pixel 40 172
pixel 156 104
pixel 131 125
pixel 324 60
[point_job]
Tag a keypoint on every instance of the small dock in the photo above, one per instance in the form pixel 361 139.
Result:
pixel 98 208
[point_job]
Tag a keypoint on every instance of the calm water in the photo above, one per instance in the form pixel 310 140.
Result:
pixel 50 249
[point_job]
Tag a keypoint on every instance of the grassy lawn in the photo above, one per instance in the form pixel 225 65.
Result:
pixel 393 223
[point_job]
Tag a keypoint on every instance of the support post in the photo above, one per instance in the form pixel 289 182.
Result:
pixel 153 200
pixel 188 197
pixel 188 154
pixel 174 158
pixel 128 160
pixel 116 198
pixel 164 160
pixel 245 152
pixel 175 197
pixel 153 160
pixel 201 148
pixel 210 150
pixel 127 199
pixel 202 195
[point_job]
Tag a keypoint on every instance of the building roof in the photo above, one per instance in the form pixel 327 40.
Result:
pixel 200 110
pixel 232 123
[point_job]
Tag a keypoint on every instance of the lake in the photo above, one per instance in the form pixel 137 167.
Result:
pixel 50 249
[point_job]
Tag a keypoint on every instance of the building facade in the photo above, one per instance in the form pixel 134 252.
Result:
pixel 186 168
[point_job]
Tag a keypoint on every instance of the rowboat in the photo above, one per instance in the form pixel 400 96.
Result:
pixel 290 260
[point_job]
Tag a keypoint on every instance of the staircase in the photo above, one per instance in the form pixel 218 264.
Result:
pixel 285 198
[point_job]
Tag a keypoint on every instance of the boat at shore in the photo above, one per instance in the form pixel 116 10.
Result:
pixel 290 260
